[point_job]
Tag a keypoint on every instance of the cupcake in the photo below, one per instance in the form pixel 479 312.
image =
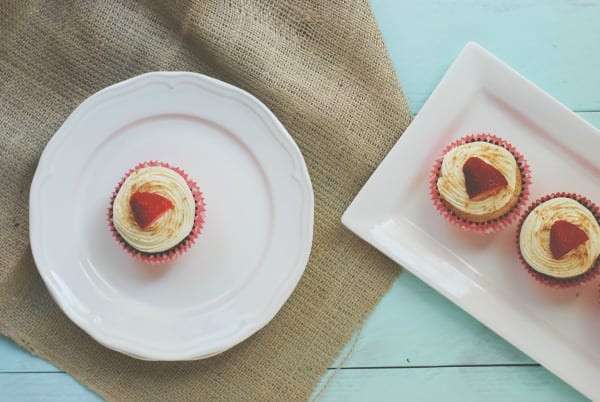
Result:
pixel 480 183
pixel 559 240
pixel 156 212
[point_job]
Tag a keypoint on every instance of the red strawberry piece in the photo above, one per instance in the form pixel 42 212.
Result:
pixel 148 207
pixel 482 179
pixel 564 237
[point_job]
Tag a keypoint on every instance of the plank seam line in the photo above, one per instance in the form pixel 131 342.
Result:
pixel 439 366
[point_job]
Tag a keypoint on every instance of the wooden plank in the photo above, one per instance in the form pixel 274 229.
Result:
pixel 429 384
pixel 43 387
pixel 592 117
pixel 416 326
pixel 465 384
pixel 552 43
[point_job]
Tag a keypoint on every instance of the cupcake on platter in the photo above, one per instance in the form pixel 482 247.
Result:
pixel 559 240
pixel 480 183
pixel 156 212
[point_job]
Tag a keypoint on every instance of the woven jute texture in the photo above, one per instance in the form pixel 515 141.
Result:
pixel 320 66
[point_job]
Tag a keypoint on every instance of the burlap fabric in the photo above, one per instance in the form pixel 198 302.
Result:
pixel 323 70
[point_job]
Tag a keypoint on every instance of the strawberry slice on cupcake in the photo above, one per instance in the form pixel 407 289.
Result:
pixel 479 183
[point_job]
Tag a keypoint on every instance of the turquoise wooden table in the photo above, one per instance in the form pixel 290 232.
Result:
pixel 418 346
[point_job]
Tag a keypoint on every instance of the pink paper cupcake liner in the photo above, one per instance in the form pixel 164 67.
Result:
pixel 494 225
pixel 550 280
pixel 185 244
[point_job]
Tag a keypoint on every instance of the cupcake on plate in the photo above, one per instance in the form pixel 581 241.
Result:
pixel 559 240
pixel 156 212
pixel 480 183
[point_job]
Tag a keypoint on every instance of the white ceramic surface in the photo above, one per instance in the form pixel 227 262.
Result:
pixel 257 235
pixel 481 273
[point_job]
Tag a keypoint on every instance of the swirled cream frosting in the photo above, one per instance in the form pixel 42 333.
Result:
pixel 534 238
pixel 168 230
pixel 451 181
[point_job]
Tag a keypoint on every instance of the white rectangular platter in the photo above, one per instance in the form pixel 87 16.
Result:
pixel 481 273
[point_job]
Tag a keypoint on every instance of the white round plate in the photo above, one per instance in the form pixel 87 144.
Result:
pixel 258 228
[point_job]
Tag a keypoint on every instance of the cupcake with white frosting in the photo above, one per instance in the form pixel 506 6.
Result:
pixel 480 183
pixel 156 212
pixel 559 240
